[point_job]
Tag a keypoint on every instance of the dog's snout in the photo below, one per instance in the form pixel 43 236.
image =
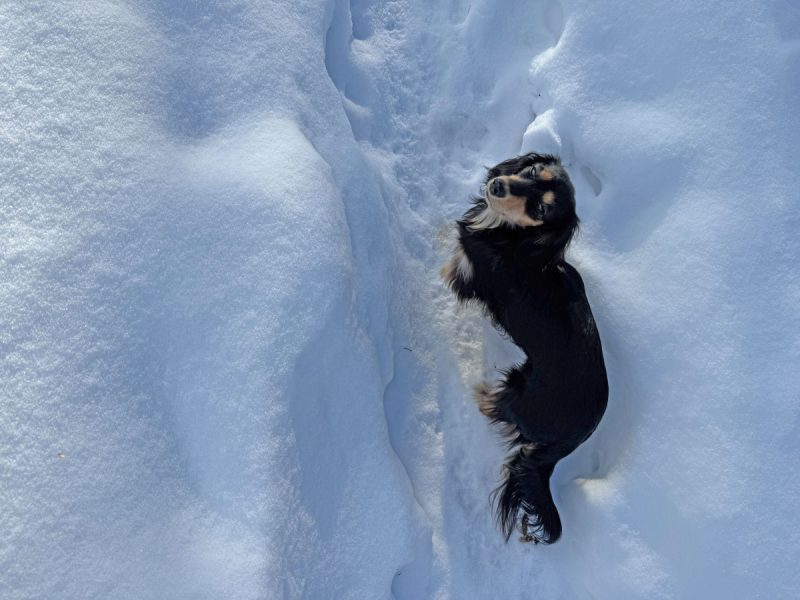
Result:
pixel 497 187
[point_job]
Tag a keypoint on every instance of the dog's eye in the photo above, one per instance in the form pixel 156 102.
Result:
pixel 531 174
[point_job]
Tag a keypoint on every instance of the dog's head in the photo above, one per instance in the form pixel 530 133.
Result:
pixel 532 190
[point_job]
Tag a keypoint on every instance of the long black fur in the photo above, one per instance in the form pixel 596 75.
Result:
pixel 552 402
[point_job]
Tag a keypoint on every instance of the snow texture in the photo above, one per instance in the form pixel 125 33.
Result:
pixel 228 369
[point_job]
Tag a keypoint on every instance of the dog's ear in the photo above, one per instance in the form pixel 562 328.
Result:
pixel 511 166
pixel 516 164
pixel 545 159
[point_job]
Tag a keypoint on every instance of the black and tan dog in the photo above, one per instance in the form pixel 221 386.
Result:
pixel 510 258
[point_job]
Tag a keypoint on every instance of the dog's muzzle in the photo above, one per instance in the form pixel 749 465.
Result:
pixel 497 187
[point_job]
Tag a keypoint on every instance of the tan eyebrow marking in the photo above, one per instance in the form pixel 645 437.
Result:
pixel 546 175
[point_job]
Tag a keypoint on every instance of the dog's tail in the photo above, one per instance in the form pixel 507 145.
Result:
pixel 527 488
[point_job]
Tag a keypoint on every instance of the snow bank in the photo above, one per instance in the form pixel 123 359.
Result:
pixel 691 250
pixel 195 312
pixel 229 369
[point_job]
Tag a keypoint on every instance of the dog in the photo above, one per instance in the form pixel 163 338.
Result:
pixel 510 259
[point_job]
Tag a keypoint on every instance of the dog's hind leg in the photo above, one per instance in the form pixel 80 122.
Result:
pixel 500 403
pixel 526 487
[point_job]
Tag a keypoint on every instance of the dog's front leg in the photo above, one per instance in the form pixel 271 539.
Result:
pixel 459 274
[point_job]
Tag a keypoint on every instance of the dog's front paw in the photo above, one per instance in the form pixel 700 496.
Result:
pixel 448 273
pixel 458 269
pixel 526 537
pixel 459 274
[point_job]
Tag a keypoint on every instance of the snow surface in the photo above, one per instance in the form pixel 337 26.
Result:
pixel 229 369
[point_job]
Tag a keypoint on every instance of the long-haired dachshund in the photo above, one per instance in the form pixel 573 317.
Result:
pixel 510 258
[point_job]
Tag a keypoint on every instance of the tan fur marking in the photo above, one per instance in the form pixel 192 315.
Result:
pixel 463 265
pixel 484 398
pixel 546 175
pixel 448 272
pixel 512 210
pixel 549 197
pixel 458 266
pixel 526 221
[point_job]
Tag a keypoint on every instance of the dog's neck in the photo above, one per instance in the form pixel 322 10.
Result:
pixel 538 247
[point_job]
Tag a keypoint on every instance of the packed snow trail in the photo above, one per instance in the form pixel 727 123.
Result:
pixel 229 369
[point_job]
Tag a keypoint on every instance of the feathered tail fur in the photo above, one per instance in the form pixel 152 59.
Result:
pixel 527 488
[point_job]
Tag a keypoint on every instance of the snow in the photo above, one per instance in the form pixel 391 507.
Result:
pixel 229 369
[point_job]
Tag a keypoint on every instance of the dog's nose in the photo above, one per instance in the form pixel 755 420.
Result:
pixel 497 187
